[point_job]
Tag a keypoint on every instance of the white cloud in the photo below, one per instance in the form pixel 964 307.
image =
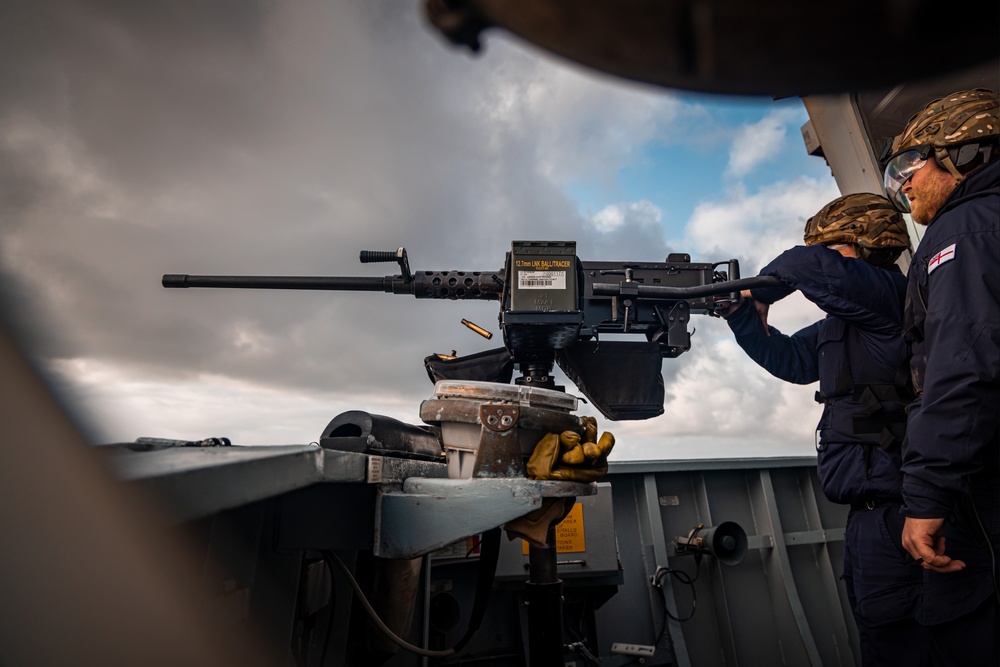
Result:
pixel 721 387
pixel 613 217
pixel 719 402
pixel 123 405
pixel 760 225
pixel 580 126
pixel 756 143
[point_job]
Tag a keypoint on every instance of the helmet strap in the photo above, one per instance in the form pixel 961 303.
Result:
pixel 943 159
pixel 966 154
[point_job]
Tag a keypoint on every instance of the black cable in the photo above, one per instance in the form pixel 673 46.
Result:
pixel 579 632
pixel 579 645
pixel 490 552
pixel 989 546
pixel 489 555
pixel 333 559
pixel 333 608
pixel 297 645
pixel 684 578
pixel 580 648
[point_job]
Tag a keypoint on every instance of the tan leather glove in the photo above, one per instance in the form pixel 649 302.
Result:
pixel 534 526
pixel 572 456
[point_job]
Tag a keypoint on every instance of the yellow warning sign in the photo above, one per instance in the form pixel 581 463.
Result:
pixel 569 533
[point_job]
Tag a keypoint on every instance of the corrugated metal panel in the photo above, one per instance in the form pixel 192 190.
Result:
pixel 783 605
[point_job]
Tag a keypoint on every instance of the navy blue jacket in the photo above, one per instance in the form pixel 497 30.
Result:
pixel 952 447
pixel 859 343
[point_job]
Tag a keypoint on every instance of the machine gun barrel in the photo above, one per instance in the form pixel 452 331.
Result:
pixel 693 292
pixel 359 284
pixel 477 285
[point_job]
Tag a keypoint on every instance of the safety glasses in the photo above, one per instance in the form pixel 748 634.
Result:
pixel 900 167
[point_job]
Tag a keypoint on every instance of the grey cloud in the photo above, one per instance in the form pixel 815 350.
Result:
pixel 638 237
pixel 230 137
pixel 248 138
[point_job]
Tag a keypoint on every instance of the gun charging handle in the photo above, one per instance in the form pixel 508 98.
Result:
pixel 627 292
pixel 399 256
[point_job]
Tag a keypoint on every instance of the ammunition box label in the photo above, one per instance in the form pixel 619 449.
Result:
pixel 541 280
pixel 543 264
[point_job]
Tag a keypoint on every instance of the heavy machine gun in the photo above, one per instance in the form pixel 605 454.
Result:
pixel 607 324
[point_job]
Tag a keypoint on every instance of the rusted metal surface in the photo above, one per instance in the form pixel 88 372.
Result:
pixel 499 452
pixel 435 411
pixel 488 429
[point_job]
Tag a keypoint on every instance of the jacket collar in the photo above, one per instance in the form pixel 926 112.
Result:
pixel 982 181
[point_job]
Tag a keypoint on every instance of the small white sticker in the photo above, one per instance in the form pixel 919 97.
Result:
pixel 937 260
pixel 374 469
pixel 541 279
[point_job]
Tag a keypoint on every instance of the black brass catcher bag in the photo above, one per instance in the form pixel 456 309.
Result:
pixel 489 366
pixel 624 381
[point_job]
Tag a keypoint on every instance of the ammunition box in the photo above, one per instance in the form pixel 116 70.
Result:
pixel 543 276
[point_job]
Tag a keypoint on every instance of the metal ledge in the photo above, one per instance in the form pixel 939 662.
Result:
pixel 196 482
pixel 431 513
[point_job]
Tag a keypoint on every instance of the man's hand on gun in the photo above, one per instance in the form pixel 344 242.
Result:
pixel 762 308
pixel 572 456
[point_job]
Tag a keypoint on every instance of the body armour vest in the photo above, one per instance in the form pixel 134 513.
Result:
pixel 864 400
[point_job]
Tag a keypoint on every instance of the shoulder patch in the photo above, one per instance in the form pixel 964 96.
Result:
pixel 937 260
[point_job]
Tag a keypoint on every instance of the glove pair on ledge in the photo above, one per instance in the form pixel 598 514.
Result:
pixel 572 456
pixel 567 456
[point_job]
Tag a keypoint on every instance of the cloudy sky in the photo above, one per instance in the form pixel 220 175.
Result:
pixel 225 136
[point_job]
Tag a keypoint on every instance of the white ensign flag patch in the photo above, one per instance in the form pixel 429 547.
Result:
pixel 937 260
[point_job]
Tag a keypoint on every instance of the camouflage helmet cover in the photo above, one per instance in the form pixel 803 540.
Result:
pixel 866 220
pixel 959 118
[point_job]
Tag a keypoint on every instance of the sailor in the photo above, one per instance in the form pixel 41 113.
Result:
pixel 858 355
pixel 945 171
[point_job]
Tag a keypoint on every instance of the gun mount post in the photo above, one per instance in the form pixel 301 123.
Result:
pixel 543 598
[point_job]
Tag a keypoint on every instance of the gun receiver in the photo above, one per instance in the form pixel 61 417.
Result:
pixel 556 307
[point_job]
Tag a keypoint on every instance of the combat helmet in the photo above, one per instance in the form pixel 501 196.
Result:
pixel 868 221
pixel 954 129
